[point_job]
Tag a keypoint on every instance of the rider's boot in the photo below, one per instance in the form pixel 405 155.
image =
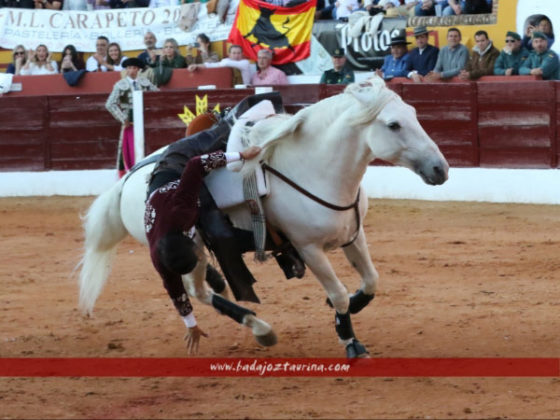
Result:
pixel 219 234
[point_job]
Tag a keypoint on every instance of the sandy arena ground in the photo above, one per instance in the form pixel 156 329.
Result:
pixel 457 280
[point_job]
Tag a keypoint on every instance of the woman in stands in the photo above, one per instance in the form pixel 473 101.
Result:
pixel 18 61
pixel 39 62
pixel 171 56
pixel 115 57
pixel 206 56
pixel 71 60
pixel 540 23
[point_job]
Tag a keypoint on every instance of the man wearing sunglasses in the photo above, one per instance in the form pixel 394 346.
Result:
pixel 511 57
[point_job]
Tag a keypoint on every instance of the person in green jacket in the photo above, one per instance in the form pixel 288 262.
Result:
pixel 542 61
pixel 511 57
pixel 339 74
pixel 170 56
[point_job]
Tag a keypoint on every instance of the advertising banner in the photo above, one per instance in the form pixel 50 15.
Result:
pixel 56 28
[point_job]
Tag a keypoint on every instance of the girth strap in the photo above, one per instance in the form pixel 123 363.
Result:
pixel 324 203
pixel 295 186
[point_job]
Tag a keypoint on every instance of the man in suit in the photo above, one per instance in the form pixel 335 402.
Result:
pixel 423 58
pixel 119 104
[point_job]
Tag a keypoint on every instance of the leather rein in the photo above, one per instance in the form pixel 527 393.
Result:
pixel 319 200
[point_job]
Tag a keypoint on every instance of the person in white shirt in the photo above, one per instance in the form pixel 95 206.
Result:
pixel 235 60
pixel 344 8
pixel 98 61
pixel 39 62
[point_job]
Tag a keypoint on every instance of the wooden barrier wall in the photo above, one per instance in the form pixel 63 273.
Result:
pixel 504 125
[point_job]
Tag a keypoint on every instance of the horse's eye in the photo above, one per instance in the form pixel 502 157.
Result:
pixel 394 126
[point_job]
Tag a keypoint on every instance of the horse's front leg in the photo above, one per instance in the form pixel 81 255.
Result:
pixel 358 255
pixel 195 284
pixel 320 265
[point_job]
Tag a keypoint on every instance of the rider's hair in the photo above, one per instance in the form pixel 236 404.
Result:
pixel 177 253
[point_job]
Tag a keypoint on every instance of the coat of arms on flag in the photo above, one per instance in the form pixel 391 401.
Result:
pixel 284 30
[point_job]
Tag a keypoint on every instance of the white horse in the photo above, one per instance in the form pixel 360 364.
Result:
pixel 324 149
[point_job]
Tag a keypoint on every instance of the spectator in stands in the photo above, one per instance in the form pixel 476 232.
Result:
pixel 163 3
pixel 397 64
pixel 19 4
pixel 481 62
pixel 149 55
pixel 98 61
pixel 119 104
pixel 540 23
pixel 428 7
pixel 451 59
pixel 511 57
pixel 48 4
pixel 236 61
pixel 542 61
pixel 171 57
pixel 19 59
pixel 204 52
pixel 99 4
pixel 115 57
pixel 467 7
pixel 325 9
pixel 128 4
pixel 267 75
pixel 81 5
pixel 423 58
pixel 344 8
pixel 39 62
pixel 71 60
pixel 339 74
pixel 395 8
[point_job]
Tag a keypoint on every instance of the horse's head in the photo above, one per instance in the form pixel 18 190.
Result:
pixel 394 134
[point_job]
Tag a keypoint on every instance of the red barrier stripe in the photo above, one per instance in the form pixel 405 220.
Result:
pixel 248 367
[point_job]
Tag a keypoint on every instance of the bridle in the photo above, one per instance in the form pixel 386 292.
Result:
pixel 319 200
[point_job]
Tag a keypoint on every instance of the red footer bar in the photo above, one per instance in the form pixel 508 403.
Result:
pixel 279 367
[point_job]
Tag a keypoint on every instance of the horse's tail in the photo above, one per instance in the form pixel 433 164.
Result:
pixel 103 229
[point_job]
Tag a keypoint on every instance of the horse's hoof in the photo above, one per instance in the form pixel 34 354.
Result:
pixel 267 340
pixel 356 349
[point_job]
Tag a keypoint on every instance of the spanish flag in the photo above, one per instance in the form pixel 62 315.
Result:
pixel 285 30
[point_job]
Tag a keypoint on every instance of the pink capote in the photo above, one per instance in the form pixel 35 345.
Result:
pixel 128 147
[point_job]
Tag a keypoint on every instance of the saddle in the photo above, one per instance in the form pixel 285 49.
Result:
pixel 228 188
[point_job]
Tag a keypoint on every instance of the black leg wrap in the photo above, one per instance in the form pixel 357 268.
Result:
pixel 359 301
pixel 230 309
pixel 215 279
pixel 355 349
pixel 343 326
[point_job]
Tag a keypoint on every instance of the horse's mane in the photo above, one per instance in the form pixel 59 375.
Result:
pixel 367 98
pixel 373 95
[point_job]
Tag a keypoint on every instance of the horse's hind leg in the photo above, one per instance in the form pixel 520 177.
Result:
pixel 196 286
pixel 358 255
pixel 320 265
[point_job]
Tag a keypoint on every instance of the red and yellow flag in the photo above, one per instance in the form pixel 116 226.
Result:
pixel 285 30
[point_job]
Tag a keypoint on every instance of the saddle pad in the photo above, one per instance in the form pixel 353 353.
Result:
pixel 227 186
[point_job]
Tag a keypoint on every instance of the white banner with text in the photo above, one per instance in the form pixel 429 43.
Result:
pixel 56 28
